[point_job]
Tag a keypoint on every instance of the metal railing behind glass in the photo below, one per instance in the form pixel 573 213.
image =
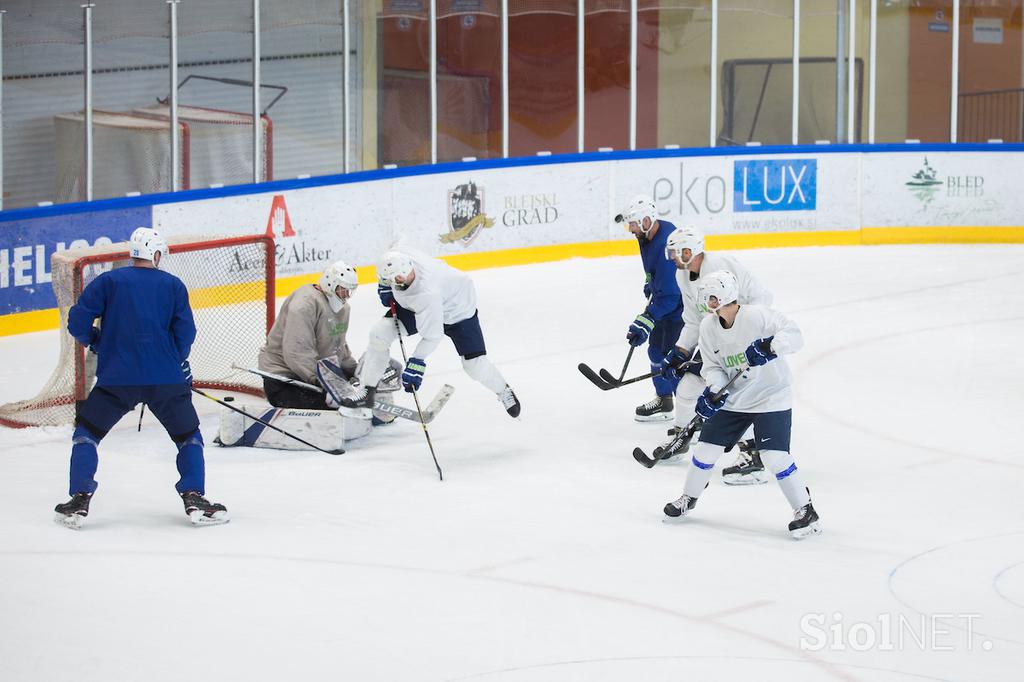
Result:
pixel 994 114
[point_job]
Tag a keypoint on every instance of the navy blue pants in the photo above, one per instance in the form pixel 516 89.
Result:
pixel 661 342
pixel 466 335
pixel 171 404
pixel 771 429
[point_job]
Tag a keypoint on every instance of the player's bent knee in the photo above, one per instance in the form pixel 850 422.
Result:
pixel 382 334
pixel 83 435
pixel 779 462
pixel 690 387
pixel 192 438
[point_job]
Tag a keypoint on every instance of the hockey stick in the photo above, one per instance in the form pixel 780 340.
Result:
pixel 629 356
pixel 339 451
pixel 687 433
pixel 615 383
pixel 379 406
pixel 415 396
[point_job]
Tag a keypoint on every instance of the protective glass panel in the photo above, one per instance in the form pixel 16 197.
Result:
pixel 301 74
pixel 606 80
pixel 215 50
pixel 757 75
pixel 683 70
pixel 543 74
pixel 468 79
pixel 43 57
pixel 403 83
pixel 914 56
pixel 990 98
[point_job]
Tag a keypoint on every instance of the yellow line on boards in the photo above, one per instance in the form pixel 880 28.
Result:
pixel 40 320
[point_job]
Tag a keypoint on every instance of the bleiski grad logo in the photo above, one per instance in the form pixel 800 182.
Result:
pixel 465 214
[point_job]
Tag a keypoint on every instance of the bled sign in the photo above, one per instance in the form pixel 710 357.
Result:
pixel 775 185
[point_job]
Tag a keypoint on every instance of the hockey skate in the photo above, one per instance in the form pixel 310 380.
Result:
pixel 747 469
pixel 677 444
pixel 358 405
pixel 658 410
pixel 202 512
pixel 509 401
pixel 71 514
pixel 805 522
pixel 680 507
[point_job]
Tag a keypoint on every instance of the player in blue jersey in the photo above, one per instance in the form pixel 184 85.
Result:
pixel 142 346
pixel 661 321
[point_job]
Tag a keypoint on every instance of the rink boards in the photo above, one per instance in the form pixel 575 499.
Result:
pixel 503 212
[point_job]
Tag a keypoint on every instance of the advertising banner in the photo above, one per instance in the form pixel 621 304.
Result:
pixel 942 189
pixel 26 247
pixel 748 194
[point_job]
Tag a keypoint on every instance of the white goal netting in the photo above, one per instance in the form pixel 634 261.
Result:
pixel 231 285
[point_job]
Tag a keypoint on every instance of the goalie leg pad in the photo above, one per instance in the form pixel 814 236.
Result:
pixel 323 428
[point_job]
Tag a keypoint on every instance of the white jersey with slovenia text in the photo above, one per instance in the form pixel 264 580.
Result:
pixel 439 295
pixel 750 291
pixel 761 389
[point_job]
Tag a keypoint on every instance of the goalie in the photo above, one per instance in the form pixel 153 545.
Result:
pixel 305 361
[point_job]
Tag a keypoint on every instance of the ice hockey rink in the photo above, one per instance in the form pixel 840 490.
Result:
pixel 544 554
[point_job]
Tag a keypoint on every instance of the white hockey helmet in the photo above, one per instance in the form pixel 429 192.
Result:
pixel 722 285
pixel 145 242
pixel 338 274
pixel 639 207
pixel 394 264
pixel 684 238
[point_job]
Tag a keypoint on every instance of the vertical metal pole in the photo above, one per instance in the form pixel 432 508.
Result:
pixel 433 81
pixel 851 62
pixel 872 51
pixel 505 105
pixel 954 90
pixel 713 86
pixel 172 6
pixel 632 73
pixel 795 134
pixel 346 88
pixel 840 71
pixel 87 20
pixel 580 74
pixel 257 122
pixel 2 13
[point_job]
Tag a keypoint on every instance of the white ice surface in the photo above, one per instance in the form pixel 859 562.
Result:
pixel 543 555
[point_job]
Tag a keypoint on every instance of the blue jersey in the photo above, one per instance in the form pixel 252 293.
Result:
pixel 666 300
pixel 146 328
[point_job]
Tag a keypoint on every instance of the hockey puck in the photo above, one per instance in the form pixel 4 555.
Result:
pixel 229 399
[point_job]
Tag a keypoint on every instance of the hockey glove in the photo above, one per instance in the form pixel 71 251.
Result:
pixel 412 376
pixel 186 371
pixel 760 352
pixel 672 363
pixel 387 296
pixel 639 330
pixel 94 339
pixel 707 405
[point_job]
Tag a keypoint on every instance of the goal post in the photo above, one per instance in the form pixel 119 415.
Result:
pixel 231 287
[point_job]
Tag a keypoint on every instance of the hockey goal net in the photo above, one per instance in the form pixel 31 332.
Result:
pixel 231 285
pixel 132 151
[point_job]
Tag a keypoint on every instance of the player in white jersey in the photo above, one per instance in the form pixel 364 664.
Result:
pixel 685 247
pixel 743 348
pixel 433 299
